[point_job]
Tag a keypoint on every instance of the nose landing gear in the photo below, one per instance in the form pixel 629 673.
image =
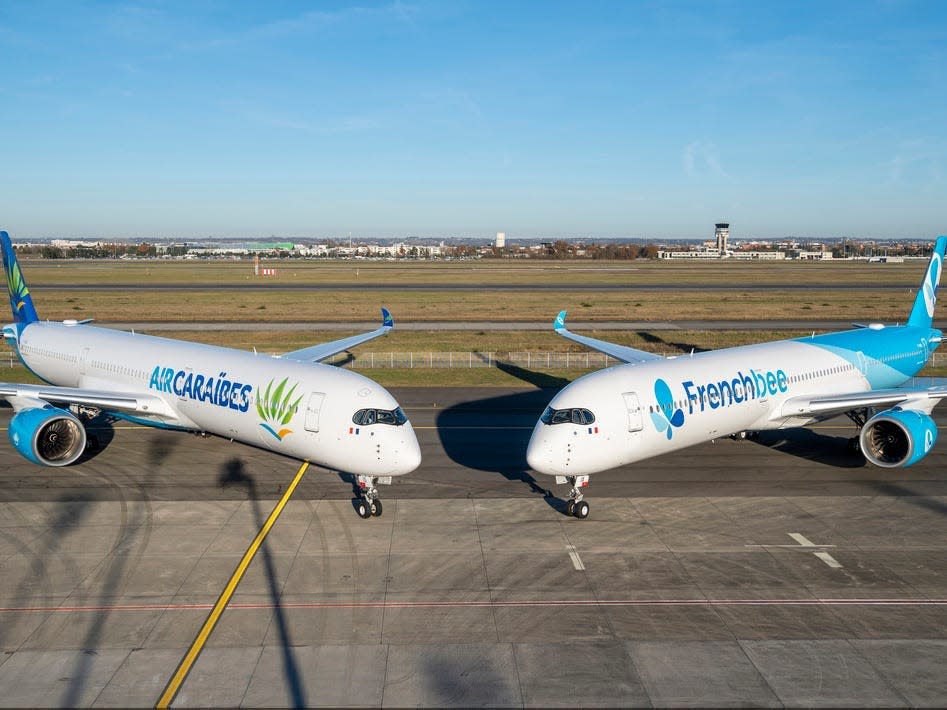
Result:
pixel 369 504
pixel 576 505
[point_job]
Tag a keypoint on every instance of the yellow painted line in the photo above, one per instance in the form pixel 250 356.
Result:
pixel 185 666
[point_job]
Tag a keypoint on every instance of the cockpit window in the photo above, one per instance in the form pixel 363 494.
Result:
pixel 393 417
pixel 567 416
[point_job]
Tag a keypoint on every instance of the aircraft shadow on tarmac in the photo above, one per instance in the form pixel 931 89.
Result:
pixel 100 430
pixel 812 446
pixel 653 339
pixel 502 448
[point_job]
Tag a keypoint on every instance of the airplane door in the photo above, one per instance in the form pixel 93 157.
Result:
pixel 84 361
pixel 633 406
pixel 312 410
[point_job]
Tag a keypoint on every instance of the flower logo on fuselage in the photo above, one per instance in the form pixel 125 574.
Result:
pixel 668 417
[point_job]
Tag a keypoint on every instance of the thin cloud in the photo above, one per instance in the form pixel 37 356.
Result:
pixel 700 160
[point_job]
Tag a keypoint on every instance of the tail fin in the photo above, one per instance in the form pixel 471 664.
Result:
pixel 922 315
pixel 20 301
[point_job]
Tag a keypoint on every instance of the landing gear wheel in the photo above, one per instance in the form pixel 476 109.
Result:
pixel 854 445
pixel 581 510
pixel 376 508
pixel 570 508
pixel 363 510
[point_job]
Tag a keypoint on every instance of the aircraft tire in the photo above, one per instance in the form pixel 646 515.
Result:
pixel 570 508
pixel 376 508
pixel 363 510
pixel 581 510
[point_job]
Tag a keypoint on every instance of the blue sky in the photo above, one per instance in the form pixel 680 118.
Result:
pixel 584 119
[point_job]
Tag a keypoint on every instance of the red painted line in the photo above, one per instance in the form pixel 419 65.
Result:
pixel 460 604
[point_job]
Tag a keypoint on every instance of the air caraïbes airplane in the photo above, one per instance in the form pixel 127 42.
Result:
pixel 289 403
pixel 652 405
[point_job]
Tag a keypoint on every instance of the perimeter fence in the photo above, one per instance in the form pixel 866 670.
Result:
pixel 531 360
pixel 543 360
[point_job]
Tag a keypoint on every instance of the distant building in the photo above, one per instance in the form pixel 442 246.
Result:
pixel 501 240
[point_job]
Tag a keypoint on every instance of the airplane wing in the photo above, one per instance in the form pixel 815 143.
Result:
pixel 838 403
pixel 100 399
pixel 316 353
pixel 619 352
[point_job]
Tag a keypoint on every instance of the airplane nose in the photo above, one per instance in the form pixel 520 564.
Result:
pixel 412 458
pixel 409 455
pixel 537 453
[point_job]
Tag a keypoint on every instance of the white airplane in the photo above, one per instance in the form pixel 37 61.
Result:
pixel 289 404
pixel 653 405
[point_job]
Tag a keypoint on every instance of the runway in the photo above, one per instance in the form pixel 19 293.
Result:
pixel 770 573
pixel 296 326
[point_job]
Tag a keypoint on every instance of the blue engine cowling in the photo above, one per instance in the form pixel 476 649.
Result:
pixel 48 436
pixel 898 437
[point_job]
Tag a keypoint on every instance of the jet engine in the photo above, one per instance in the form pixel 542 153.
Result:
pixel 47 435
pixel 898 437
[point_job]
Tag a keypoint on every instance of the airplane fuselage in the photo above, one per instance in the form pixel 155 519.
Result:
pixel 303 410
pixel 628 413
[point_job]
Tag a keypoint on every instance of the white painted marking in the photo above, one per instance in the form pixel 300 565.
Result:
pixel 824 556
pixel 792 547
pixel 802 540
pixel 576 560
pixel 828 559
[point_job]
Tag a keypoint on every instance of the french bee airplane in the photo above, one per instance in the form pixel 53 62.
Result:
pixel 289 404
pixel 652 405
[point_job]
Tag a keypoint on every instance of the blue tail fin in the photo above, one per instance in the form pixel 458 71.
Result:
pixel 20 301
pixel 922 315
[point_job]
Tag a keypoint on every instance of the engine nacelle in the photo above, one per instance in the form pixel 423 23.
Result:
pixel 898 437
pixel 48 436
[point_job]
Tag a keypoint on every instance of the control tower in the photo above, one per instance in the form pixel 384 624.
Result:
pixel 722 235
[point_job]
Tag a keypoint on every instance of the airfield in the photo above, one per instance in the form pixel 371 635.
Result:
pixel 778 572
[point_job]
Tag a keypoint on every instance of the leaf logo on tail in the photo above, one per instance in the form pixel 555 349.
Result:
pixel 668 417
pixel 17 286
pixel 276 407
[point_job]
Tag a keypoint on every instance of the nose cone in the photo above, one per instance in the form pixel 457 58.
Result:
pixel 539 451
pixel 409 451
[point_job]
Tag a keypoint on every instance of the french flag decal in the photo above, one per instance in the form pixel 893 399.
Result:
pixel 353 430
pixel 593 430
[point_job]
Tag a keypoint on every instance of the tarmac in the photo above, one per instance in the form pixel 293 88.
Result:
pixel 782 572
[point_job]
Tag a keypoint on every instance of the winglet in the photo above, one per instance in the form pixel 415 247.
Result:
pixel 922 314
pixel 560 322
pixel 20 301
pixel 386 320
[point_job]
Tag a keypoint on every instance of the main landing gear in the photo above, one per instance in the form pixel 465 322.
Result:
pixel 369 504
pixel 576 505
pixel 859 417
